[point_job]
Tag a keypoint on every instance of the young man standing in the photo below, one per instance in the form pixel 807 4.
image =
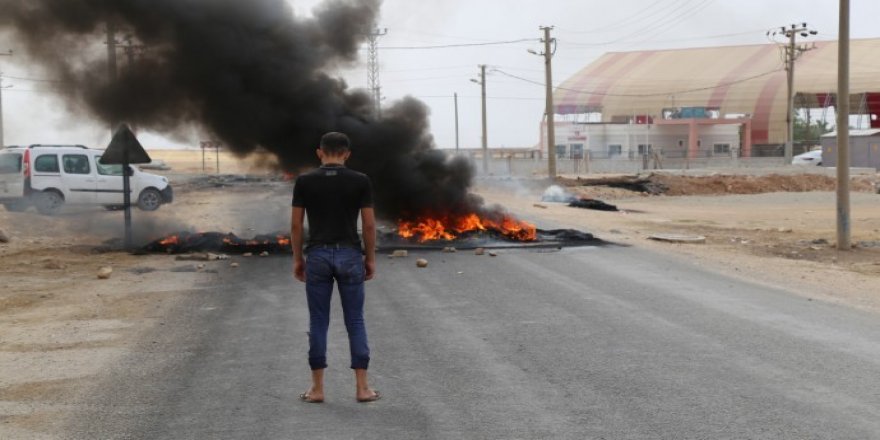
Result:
pixel 332 197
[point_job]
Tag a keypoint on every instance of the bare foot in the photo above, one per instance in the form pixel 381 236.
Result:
pixel 368 395
pixel 312 396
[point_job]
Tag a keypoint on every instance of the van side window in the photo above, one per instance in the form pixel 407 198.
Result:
pixel 76 164
pixel 107 170
pixel 47 163
pixel 10 163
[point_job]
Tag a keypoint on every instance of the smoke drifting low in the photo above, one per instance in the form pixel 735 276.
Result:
pixel 252 74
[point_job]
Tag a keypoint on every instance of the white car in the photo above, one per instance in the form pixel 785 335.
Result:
pixel 49 176
pixel 809 158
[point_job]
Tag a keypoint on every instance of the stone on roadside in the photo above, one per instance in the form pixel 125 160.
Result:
pixel 538 205
pixel 53 265
pixel 233 265
pixel 493 254
pixel 3 237
pixel 264 254
pixel 247 254
pixel 421 262
pixel 479 251
pixel 784 230
pixel 449 249
pixel 105 272
pixel 678 238
pixel 399 253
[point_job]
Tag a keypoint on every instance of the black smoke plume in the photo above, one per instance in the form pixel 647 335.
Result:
pixel 252 74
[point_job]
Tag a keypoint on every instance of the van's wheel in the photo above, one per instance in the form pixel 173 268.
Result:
pixel 48 202
pixel 15 206
pixel 149 200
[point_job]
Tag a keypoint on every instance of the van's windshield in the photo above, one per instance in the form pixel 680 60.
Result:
pixel 10 163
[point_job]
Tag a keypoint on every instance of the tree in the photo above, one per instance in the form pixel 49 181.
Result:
pixel 809 133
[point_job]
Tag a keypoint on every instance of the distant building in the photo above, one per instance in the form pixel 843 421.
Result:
pixel 864 149
pixel 694 101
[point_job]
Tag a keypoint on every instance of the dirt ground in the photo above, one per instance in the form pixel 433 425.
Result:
pixel 60 325
pixel 782 239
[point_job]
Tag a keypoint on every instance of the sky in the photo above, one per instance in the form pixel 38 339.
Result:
pixel 584 30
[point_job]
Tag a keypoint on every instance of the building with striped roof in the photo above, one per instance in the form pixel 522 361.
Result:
pixel 690 92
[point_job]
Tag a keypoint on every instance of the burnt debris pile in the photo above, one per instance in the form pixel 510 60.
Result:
pixel 228 243
pixel 494 239
pixel 185 242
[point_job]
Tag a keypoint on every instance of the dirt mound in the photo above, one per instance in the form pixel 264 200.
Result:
pixel 655 184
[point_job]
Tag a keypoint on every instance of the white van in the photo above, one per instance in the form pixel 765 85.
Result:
pixel 48 176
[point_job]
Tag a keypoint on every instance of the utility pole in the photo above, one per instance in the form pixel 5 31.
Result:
pixel 550 111
pixel 373 68
pixel 792 53
pixel 843 220
pixel 482 83
pixel 111 64
pixel 455 96
pixel 132 50
pixel 2 144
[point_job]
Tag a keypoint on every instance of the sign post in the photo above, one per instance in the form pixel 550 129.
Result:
pixel 125 149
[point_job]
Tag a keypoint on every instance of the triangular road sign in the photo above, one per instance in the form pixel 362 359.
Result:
pixel 124 141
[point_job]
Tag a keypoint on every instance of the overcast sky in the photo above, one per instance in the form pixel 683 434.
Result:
pixel 585 29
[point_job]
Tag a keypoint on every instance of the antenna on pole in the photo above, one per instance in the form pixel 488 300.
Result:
pixel 373 68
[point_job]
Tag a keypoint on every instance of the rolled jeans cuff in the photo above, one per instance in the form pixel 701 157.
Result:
pixel 318 363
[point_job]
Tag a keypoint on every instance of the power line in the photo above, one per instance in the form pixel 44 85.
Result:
pixel 20 78
pixel 646 95
pixel 629 20
pixel 510 98
pixel 450 46
pixel 676 40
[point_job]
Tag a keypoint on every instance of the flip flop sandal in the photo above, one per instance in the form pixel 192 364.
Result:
pixel 305 398
pixel 372 398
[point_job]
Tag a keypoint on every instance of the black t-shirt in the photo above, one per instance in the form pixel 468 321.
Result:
pixel 333 197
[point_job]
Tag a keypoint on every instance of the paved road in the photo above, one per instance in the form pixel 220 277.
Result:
pixel 613 343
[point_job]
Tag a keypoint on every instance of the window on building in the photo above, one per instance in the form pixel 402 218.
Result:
pixel 721 149
pixel 645 149
pixel 47 163
pixel 76 164
pixel 615 150
pixel 577 151
pixel 561 151
pixel 681 142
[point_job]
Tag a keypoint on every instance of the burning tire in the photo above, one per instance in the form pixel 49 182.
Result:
pixel 48 202
pixel 150 199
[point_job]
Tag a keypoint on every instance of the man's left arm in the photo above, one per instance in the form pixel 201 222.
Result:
pixel 368 227
pixel 296 242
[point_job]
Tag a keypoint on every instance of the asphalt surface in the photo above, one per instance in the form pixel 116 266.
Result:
pixel 583 343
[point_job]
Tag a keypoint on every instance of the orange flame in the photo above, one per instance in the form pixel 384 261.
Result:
pixel 171 240
pixel 432 229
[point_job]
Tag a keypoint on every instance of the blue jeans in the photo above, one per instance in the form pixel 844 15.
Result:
pixel 346 267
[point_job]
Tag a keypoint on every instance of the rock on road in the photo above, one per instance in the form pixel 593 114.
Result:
pixel 613 343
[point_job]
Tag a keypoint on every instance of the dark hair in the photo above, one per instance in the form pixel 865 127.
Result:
pixel 335 143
